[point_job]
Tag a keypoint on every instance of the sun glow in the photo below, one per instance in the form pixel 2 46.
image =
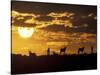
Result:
pixel 25 32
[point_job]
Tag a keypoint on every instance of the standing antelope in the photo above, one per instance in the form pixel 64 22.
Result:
pixel 91 49
pixel 62 50
pixel 81 50
pixel 48 51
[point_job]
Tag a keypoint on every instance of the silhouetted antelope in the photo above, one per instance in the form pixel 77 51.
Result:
pixel 81 50
pixel 91 49
pixel 62 50
pixel 31 54
pixel 48 51
pixel 54 53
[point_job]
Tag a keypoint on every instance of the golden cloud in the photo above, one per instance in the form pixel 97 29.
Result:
pixel 16 14
pixel 57 15
pixel 54 37
pixel 39 24
pixel 57 43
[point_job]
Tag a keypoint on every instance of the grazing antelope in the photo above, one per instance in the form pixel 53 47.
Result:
pixel 62 50
pixel 31 54
pixel 54 53
pixel 81 50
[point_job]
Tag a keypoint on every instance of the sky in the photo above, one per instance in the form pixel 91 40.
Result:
pixel 55 26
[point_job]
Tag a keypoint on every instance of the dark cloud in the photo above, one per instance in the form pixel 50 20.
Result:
pixel 57 28
pixel 63 18
pixel 22 23
pixel 83 15
pixel 45 8
pixel 44 18
pixel 90 21
pixel 54 28
pixel 81 29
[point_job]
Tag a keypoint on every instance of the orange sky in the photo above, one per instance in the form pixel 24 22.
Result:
pixel 53 26
pixel 40 41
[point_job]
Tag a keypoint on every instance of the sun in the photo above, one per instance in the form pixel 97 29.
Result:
pixel 25 32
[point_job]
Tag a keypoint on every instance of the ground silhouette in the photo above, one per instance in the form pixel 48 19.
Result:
pixel 52 63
